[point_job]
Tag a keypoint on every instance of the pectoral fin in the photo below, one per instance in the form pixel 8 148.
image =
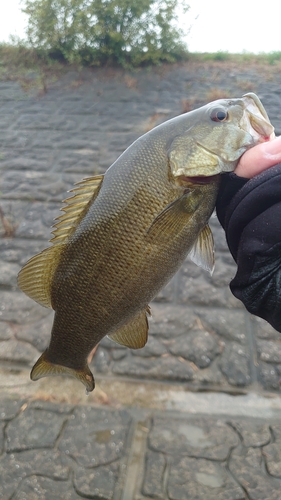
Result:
pixel 134 333
pixel 44 368
pixel 175 216
pixel 202 252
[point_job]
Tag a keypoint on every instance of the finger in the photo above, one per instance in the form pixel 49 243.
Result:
pixel 259 158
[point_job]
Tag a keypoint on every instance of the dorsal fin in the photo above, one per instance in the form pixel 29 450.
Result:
pixel 35 278
pixel 76 207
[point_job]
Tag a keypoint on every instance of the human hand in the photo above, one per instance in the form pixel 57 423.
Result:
pixel 259 158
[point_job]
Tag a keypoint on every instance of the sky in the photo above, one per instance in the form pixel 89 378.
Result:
pixel 211 25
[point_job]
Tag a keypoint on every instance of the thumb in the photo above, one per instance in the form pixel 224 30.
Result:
pixel 259 158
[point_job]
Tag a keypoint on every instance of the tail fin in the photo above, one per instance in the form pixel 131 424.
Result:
pixel 44 368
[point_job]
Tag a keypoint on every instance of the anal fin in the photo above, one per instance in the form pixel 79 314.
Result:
pixel 134 333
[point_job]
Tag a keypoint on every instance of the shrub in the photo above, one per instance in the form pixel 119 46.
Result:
pixel 106 31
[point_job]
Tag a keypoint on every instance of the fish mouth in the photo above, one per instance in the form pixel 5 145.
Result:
pixel 198 179
pixel 256 120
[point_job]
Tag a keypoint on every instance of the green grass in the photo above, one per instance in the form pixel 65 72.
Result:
pixel 23 64
pixel 36 70
pixel 244 57
pixel 20 55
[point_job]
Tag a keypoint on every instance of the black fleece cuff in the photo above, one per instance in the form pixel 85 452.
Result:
pixel 240 201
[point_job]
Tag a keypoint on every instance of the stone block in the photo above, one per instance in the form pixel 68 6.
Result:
pixel 235 365
pixel 246 465
pixel 95 437
pixel 16 351
pixel 199 346
pixel 211 439
pixel 97 483
pixel 200 479
pixel 31 429
pixel 153 482
pixel 253 433
pixel 163 368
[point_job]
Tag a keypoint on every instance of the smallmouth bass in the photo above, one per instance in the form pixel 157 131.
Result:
pixel 124 234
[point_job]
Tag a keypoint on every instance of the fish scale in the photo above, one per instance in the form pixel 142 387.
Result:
pixel 123 235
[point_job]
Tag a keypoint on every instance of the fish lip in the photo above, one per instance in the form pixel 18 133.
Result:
pixel 197 179
pixel 255 119
pixel 258 104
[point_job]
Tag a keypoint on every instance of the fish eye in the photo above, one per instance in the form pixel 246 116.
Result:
pixel 219 115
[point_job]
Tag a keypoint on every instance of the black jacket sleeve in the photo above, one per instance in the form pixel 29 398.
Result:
pixel 250 213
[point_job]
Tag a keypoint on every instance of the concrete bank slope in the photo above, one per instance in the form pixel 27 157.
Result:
pixel 193 415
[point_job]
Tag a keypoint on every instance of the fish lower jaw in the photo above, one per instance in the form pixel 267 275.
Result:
pixel 187 181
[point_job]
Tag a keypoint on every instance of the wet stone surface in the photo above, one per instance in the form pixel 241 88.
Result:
pixel 272 452
pixel 197 438
pixel 77 449
pixel 247 466
pixel 155 465
pixel 253 434
pixel 89 452
pixel 35 487
pixel 215 459
pixel 191 478
pixel 90 433
pixel 28 430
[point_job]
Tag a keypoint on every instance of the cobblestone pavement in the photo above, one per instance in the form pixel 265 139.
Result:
pixel 137 436
pixel 52 451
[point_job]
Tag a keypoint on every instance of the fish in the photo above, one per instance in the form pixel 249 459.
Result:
pixel 124 234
